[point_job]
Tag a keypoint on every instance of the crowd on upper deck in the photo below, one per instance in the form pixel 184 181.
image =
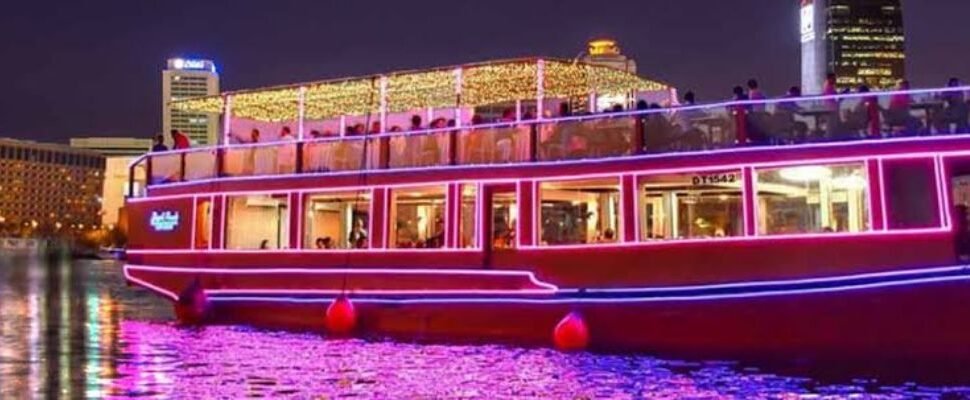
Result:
pixel 749 119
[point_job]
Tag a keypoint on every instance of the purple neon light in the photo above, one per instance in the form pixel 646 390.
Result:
pixel 622 300
pixel 739 150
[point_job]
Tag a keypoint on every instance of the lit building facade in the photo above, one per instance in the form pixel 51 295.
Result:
pixel 187 78
pixel 861 41
pixel 118 152
pixel 46 188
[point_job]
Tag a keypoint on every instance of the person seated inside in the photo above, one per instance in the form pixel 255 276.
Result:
pixel 357 238
pixel 898 115
pixel 437 241
pixel 955 116
pixel 324 243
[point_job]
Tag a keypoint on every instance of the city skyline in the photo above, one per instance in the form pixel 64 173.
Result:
pixel 113 78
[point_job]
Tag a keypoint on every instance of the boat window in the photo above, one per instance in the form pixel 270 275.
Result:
pixel 911 194
pixel 203 223
pixel 337 221
pixel 257 222
pixel 812 199
pixel 418 217
pixel 469 215
pixel 505 215
pixel 691 205
pixel 579 211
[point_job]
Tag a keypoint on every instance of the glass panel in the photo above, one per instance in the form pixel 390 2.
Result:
pixel 579 212
pixel 200 164
pixel 337 221
pixel 494 145
pixel 418 216
pixel 257 222
pixel 812 199
pixel 604 137
pixel 691 205
pixel 265 159
pixel 419 150
pixel 166 168
pixel 505 214
pixel 911 194
pixel 469 217
pixel 336 155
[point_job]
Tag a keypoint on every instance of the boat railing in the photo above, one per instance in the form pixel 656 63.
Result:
pixel 775 122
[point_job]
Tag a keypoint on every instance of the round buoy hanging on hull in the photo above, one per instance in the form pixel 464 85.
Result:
pixel 341 318
pixel 571 334
pixel 192 305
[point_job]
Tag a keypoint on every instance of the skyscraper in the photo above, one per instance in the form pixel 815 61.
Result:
pixel 186 78
pixel 861 41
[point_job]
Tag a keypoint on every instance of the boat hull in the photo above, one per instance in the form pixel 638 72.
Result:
pixel 923 316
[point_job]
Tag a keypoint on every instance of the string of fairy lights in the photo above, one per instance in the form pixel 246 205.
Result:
pixel 467 86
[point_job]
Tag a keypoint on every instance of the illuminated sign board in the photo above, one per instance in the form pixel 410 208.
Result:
pixel 808 22
pixel 165 221
pixel 193 64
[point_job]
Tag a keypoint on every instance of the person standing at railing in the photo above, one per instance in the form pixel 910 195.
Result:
pixel 286 152
pixel 956 111
pixel 898 115
pixel 179 140
pixel 739 115
pixel 158 144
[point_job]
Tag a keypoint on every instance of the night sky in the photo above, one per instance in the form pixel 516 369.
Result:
pixel 93 68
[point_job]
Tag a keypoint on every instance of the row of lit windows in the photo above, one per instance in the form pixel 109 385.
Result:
pixel 805 199
pixel 48 156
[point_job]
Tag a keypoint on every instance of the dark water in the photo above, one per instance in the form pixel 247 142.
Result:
pixel 74 330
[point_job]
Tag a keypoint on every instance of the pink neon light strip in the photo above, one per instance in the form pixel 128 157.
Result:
pixel 709 241
pixel 740 150
pixel 149 286
pixel 351 271
pixel 621 300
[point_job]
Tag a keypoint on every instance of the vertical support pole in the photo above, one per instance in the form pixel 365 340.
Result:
pixel 218 222
pixel 383 103
pixel 592 103
pixel 749 198
pixel 182 166
pixel 540 87
pixel 148 172
pixel 227 120
pixel 628 209
pixel 518 110
pixel 301 115
pixel 873 172
pixel 639 138
pixel 296 221
pixel 526 201
pixel 452 216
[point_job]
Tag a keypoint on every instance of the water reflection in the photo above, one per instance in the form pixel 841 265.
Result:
pixel 73 330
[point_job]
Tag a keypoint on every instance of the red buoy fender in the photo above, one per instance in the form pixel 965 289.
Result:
pixel 571 333
pixel 341 318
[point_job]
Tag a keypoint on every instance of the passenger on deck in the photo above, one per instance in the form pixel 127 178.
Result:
pixel 754 93
pixel 375 128
pixel 956 111
pixel 286 154
pixel 179 140
pixel 415 123
pixel 785 128
pixel 158 144
pixel 898 115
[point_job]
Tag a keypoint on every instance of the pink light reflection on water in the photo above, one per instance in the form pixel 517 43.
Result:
pixel 80 331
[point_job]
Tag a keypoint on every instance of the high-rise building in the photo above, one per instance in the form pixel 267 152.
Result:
pixel 114 146
pixel 860 41
pixel 118 153
pixel 47 187
pixel 187 78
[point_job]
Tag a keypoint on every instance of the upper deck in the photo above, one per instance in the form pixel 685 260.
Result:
pixel 821 122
